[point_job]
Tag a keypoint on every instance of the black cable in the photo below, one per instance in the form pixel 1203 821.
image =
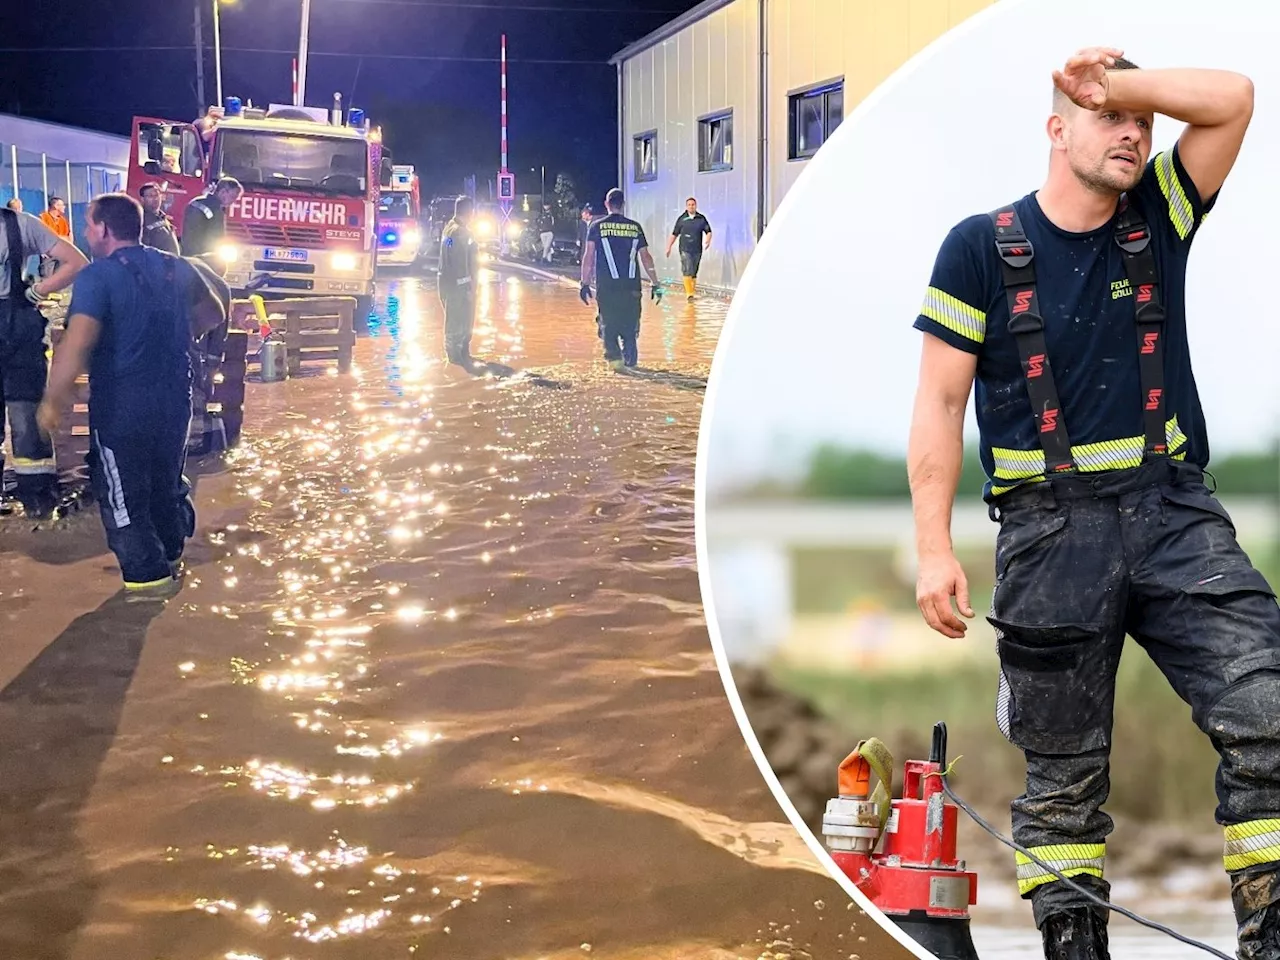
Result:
pixel 1088 894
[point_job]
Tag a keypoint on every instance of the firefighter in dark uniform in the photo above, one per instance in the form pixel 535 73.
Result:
pixel 133 317
pixel 458 283
pixel 1095 444
pixel 23 366
pixel 620 243
pixel 204 223
pixel 157 226
pixel 693 231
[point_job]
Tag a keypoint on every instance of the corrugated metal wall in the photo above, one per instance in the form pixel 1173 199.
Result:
pixel 713 65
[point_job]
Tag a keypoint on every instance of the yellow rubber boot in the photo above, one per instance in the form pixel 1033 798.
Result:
pixel 690 285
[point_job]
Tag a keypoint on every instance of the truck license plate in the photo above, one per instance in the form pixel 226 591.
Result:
pixel 281 253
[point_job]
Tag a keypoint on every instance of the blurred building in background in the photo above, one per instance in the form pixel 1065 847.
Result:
pixel 41 160
pixel 729 101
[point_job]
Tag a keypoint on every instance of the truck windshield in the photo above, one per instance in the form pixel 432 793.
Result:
pixel 396 206
pixel 328 165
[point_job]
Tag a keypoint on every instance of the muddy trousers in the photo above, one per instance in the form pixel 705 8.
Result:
pixel 1080 563
pixel 135 467
pixel 619 323
pixel 23 372
pixel 459 318
pixel 690 260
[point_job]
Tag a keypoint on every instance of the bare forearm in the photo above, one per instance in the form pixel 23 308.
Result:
pixel 70 262
pixel 589 264
pixel 934 459
pixel 646 261
pixel 68 363
pixel 1202 98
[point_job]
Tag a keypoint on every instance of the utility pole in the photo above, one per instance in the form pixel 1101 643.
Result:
pixel 201 103
pixel 217 51
pixel 302 53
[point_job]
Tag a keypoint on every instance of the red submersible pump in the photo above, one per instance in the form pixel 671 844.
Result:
pixel 902 853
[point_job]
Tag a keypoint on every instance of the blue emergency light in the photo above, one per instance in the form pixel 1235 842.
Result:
pixel 390 237
pixel 355 117
pixel 231 106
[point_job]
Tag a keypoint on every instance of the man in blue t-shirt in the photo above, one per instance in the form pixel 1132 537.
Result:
pixel 134 315
pixel 1065 313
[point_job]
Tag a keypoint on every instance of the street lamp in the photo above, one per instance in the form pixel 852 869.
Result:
pixel 217 48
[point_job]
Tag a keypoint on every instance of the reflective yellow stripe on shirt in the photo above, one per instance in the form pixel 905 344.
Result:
pixel 1022 466
pixel 954 314
pixel 1251 844
pixel 1181 211
pixel 1069 859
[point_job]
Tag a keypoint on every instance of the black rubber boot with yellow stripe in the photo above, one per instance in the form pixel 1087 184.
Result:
pixel 1255 895
pixel 1079 934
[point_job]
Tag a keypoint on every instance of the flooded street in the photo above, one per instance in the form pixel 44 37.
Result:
pixel 438 685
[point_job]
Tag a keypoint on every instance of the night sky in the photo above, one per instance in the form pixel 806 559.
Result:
pixel 426 70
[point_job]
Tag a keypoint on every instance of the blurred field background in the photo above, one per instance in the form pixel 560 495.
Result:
pixel 813 581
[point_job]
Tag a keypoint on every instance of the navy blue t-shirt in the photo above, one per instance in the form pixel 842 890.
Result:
pixel 618 241
pixel 1090 331
pixel 143 351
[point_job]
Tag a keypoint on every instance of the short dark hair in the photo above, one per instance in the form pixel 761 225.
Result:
pixel 142 190
pixel 462 206
pixel 228 183
pixel 120 214
pixel 694 199
pixel 614 198
pixel 1060 101
pixel 53 200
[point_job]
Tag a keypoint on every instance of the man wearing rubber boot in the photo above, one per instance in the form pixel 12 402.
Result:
pixel 457 283
pixel 1067 308
pixel 133 318
pixel 693 231
pixel 22 351
pixel 620 242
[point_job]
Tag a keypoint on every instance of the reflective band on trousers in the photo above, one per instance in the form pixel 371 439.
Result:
pixel 1069 859
pixel 1251 844
pixel 34 468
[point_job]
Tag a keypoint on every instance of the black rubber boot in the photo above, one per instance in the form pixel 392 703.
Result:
pixel 1256 899
pixel 1078 934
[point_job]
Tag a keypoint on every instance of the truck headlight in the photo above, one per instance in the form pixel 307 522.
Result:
pixel 412 237
pixel 484 228
pixel 345 261
pixel 228 253
pixel 514 230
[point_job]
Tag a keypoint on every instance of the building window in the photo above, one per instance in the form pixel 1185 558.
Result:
pixel 715 142
pixel 814 115
pixel 644 156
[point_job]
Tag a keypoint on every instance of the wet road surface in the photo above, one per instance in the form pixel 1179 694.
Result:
pixel 438 683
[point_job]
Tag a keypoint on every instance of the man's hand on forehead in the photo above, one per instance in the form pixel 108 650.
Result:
pixel 1083 80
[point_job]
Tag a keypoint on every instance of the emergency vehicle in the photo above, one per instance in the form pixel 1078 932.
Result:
pixel 306 222
pixel 399 219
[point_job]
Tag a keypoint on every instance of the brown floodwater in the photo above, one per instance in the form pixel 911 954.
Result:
pixel 438 685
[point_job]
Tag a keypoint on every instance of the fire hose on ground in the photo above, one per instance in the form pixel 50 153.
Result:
pixel 901 854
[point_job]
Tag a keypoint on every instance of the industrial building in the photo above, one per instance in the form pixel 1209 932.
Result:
pixel 728 102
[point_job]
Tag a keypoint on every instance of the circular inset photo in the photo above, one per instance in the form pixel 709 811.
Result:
pixel 988 484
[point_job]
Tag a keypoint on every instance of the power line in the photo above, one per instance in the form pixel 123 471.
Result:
pixel 292 52
pixel 539 8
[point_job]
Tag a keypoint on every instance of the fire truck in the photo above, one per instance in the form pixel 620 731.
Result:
pixel 400 220
pixel 305 224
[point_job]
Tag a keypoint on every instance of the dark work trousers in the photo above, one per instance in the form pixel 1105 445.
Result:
pixel 619 322
pixel 690 260
pixel 135 467
pixel 1081 562
pixel 23 372
pixel 459 318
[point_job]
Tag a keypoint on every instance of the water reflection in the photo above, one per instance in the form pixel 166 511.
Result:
pixel 442 684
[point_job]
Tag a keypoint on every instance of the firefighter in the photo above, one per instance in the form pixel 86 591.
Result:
pixel 133 316
pixel 1095 444
pixel 584 224
pixel 621 243
pixel 693 231
pixel 457 283
pixel 204 222
pixel 157 226
pixel 22 350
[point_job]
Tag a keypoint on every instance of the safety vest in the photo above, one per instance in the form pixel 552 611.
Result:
pixel 1017 260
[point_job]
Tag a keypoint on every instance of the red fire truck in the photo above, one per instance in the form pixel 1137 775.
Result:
pixel 400 219
pixel 306 223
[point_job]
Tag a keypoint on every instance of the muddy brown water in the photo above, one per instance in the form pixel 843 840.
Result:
pixel 438 685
